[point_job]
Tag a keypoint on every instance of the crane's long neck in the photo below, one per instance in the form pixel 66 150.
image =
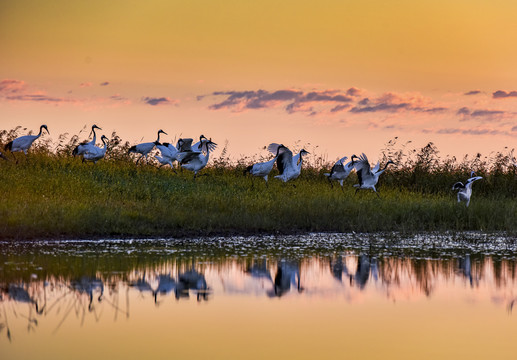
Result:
pixel 105 142
pixel 40 131
pixel 384 168
pixel 158 138
pixel 94 136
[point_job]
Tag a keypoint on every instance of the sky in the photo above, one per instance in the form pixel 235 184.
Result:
pixel 336 77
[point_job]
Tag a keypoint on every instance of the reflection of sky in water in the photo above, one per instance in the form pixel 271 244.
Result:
pixel 222 301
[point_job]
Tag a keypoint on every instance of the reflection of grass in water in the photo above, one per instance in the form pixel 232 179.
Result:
pixel 54 195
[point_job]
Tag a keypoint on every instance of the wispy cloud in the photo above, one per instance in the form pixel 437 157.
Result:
pixel 323 101
pixel 85 84
pixel 392 103
pixel 11 86
pixel 468 131
pixel 500 94
pixel 38 98
pixel 105 83
pixel 19 91
pixel 155 101
pixel 482 114
pixel 292 100
pixel 118 97
pixel 472 92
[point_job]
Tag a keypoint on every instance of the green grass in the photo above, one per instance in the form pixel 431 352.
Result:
pixel 50 196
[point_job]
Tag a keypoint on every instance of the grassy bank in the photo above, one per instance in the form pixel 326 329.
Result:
pixel 58 196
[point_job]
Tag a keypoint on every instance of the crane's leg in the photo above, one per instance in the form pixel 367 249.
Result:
pixel 330 182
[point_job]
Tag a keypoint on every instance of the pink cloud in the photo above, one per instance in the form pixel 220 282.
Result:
pixel 19 91
pixel 10 86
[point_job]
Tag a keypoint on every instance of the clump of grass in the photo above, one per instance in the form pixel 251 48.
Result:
pixel 51 194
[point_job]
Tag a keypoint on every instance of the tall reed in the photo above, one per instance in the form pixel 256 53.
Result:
pixel 51 194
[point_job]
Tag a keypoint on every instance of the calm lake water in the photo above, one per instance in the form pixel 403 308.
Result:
pixel 318 295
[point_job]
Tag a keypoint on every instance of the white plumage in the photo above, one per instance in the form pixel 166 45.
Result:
pixel 196 160
pixel 145 148
pixel 82 147
pixel 465 191
pixel 264 168
pixel 23 143
pixel 289 166
pixel 340 171
pixel 168 154
pixel 94 153
pixel 367 177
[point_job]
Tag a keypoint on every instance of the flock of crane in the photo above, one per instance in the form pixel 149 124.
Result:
pixel 194 157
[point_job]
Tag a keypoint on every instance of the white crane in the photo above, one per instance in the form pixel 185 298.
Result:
pixel 94 153
pixel 23 143
pixel 168 154
pixel 82 147
pixel 340 171
pixel 145 148
pixel 194 160
pixel 289 166
pixel 367 177
pixel 465 191
pixel 264 168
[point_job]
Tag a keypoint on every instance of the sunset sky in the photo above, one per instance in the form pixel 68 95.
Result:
pixel 345 76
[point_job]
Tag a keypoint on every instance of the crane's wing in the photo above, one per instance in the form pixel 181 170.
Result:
pixel 204 145
pixel 284 160
pixel 172 150
pixel 184 144
pixel 458 185
pixel 349 166
pixel 273 148
pixel 377 167
pixel 341 161
pixel 362 165
pixel 187 156
pixel 164 150
pixel 472 179
pixel 338 167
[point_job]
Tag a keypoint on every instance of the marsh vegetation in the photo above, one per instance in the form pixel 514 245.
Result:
pixel 52 194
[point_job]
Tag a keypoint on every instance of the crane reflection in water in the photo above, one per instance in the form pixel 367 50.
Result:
pixel 68 294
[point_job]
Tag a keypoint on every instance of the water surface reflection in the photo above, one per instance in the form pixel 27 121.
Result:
pixel 52 287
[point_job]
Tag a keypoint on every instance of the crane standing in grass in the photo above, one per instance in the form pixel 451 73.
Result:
pixel 83 147
pixel 145 148
pixel 264 168
pixel 465 191
pixel 168 154
pixel 23 143
pixel 289 166
pixel 196 160
pixel 94 153
pixel 367 177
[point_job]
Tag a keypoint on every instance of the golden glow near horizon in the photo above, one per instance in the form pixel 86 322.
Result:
pixel 136 67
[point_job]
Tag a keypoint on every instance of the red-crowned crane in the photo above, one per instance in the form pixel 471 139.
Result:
pixel 367 177
pixel 145 148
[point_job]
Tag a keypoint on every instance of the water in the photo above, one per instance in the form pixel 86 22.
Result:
pixel 319 295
